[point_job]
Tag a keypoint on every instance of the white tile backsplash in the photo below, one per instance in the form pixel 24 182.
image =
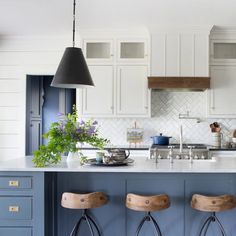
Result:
pixel 165 109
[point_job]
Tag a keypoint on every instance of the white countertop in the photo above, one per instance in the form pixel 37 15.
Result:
pixel 140 165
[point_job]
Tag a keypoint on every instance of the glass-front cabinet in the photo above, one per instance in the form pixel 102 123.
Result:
pixel 101 50
pixel 132 50
pixel 223 52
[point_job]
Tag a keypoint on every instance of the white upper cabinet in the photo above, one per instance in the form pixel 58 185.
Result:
pixel 132 91
pixel 180 54
pixel 221 96
pixel 120 76
pixel 99 99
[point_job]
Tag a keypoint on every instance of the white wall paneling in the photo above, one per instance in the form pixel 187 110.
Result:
pixel 9 127
pixel 10 113
pixel 20 56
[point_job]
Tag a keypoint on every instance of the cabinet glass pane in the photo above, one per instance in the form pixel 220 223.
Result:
pixel 131 50
pixel 98 50
pixel 225 50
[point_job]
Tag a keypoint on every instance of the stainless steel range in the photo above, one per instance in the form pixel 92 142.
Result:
pixel 177 151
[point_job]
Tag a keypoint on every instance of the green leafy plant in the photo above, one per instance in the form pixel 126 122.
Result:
pixel 64 137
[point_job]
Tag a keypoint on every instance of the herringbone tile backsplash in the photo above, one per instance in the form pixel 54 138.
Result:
pixel 165 109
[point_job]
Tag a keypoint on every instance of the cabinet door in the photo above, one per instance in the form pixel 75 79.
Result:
pixel 223 52
pixel 132 51
pixel 98 50
pixel 99 100
pixel 132 91
pixel 221 99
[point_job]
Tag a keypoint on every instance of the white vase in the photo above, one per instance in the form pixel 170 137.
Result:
pixel 73 156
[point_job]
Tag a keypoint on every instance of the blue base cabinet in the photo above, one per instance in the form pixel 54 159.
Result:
pixel 116 220
pixel 22 204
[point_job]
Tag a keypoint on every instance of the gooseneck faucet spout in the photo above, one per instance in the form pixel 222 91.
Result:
pixel 181 140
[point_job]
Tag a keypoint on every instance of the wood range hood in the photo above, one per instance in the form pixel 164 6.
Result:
pixel 171 83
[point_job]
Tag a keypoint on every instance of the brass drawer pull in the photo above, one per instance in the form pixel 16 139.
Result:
pixel 14 209
pixel 13 183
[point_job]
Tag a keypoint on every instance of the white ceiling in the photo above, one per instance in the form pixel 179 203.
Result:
pixel 42 17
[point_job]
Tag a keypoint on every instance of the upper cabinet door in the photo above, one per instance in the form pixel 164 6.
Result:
pixel 223 52
pixel 132 51
pixel 180 54
pixel 98 50
pixel 221 96
pixel 132 91
pixel 99 100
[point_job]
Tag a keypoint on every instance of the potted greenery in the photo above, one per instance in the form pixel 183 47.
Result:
pixel 64 137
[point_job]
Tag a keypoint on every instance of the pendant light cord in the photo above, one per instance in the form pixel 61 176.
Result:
pixel 74 24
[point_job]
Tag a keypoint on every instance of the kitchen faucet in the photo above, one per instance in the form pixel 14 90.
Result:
pixel 181 140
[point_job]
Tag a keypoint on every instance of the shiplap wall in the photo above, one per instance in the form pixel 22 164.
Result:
pixel 20 56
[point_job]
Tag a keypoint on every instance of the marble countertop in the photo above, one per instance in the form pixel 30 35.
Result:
pixel 140 165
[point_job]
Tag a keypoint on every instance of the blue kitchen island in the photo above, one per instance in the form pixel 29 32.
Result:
pixel 30 197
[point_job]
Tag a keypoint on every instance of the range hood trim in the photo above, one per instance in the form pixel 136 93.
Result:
pixel 179 83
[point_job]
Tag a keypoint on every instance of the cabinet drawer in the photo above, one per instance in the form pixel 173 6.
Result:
pixel 16 231
pixel 15 208
pixel 15 182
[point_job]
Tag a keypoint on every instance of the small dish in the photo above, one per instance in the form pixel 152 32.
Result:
pixel 111 163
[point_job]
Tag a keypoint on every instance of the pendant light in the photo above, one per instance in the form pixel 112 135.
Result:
pixel 72 71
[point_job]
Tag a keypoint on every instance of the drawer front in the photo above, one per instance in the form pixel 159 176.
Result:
pixel 15 208
pixel 15 182
pixel 16 231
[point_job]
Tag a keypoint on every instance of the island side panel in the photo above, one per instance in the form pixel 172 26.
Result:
pixel 116 220
pixel 209 184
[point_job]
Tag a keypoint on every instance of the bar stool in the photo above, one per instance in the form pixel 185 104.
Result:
pixel 212 204
pixel 147 204
pixel 84 202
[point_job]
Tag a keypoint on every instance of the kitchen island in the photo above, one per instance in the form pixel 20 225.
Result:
pixel 38 192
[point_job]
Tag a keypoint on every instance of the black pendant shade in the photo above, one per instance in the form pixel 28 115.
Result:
pixel 72 71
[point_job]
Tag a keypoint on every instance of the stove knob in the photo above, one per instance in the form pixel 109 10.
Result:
pixel 196 157
pixel 186 157
pixel 203 157
pixel 178 157
pixel 159 156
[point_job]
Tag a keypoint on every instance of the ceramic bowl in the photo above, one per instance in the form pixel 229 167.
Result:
pixel 234 140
